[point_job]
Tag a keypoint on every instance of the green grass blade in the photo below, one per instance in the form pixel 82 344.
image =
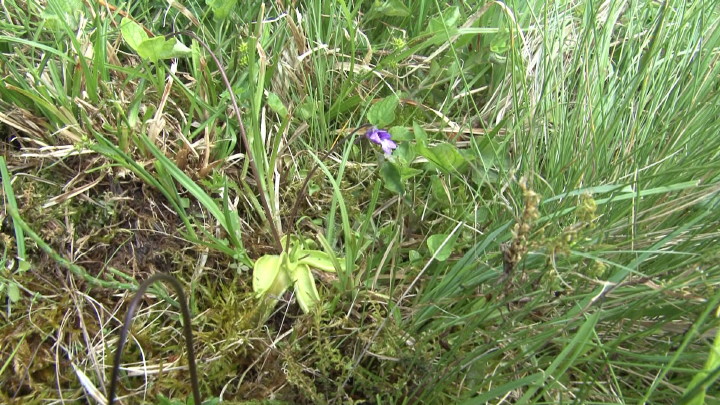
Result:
pixel 10 198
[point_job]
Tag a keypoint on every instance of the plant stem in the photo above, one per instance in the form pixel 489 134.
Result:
pixel 243 136
pixel 301 193
pixel 74 268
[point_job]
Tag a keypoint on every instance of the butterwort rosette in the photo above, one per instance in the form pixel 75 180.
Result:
pixel 381 138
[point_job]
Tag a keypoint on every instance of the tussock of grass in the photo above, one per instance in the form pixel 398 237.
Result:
pixel 581 225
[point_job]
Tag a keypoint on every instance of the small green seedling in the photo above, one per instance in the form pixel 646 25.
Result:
pixel 59 13
pixel 152 49
pixel 274 274
pixel 221 8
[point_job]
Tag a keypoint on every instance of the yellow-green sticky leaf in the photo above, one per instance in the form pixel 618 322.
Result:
pixel 317 259
pixel 305 290
pixel 269 276
pixel 331 254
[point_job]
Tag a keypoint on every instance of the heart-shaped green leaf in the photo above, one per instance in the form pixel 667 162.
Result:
pixel 382 113
pixel 441 245
pixel 391 178
pixel 158 48
pixel 443 27
pixel 420 134
pixel 449 157
pixel 401 134
pixel 132 32
pixel 277 105
pixel 444 157
pixel 221 8
pixel 392 8
pixel 13 292
pixel 62 12
pixel 152 49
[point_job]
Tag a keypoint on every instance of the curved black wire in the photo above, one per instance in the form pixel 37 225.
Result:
pixel 187 331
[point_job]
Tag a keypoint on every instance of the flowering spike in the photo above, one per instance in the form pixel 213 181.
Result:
pixel 381 138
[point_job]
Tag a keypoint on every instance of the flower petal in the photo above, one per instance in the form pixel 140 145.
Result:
pixel 384 134
pixel 382 138
pixel 374 137
pixel 388 146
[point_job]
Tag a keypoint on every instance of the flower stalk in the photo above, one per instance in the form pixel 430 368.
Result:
pixel 243 136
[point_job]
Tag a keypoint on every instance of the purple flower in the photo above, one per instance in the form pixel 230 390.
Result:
pixel 381 138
